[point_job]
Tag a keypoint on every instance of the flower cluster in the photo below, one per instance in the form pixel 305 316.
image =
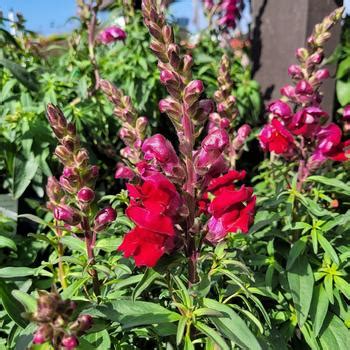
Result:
pixel 307 133
pixel 112 34
pixel 167 188
pixel 228 11
pixel 153 207
pixel 55 323
pixel 69 197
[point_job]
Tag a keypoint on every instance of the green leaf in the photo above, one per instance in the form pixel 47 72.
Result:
pixel 328 248
pixel 188 343
pixel 328 286
pixel 232 326
pixel 297 249
pixel 109 244
pixel 343 286
pixel 95 341
pixel 16 272
pixel 334 334
pixel 301 282
pixel 211 333
pixel 319 308
pixel 136 313
pixel 23 173
pixel 72 290
pixel 11 305
pixel 337 184
pixel 180 329
pixel 21 74
pixel 7 242
pixel 343 68
pixel 343 92
pixel 74 243
pixel 148 278
pixel 25 299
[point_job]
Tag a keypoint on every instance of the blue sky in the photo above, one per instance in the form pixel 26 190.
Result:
pixel 50 16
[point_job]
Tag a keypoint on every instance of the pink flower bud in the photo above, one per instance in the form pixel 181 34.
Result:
pixel 85 322
pixel 159 149
pixel 346 113
pixel 322 74
pixel 280 109
pixel 39 337
pixel 69 342
pixel 68 185
pixel 63 154
pixel 304 88
pixel 104 217
pixel 207 106
pixel 288 91
pixel 301 54
pixel 53 189
pixel 295 71
pixel 316 58
pixel 242 134
pixel 141 124
pixel 67 214
pixel 123 172
pixel 111 34
pixel 167 77
pixel 86 195
pixel 69 173
pixel 194 87
pixel 187 63
pixel 82 157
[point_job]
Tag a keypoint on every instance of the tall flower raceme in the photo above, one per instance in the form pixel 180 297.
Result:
pixel 174 197
pixel 71 197
pixel 299 128
pixel 227 112
pixel 228 12
pixel 56 324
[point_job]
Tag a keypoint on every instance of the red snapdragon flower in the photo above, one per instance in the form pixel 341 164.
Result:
pixel 330 146
pixel 275 137
pixel 152 208
pixel 232 208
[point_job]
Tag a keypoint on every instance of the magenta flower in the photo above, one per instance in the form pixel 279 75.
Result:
pixel 346 113
pixel 280 109
pixel 112 34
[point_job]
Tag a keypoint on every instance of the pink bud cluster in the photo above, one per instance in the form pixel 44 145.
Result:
pixel 227 11
pixel 55 323
pixel 74 192
pixel 132 131
pixel 227 112
pixel 305 131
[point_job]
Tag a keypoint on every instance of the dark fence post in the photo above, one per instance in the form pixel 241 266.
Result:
pixel 279 27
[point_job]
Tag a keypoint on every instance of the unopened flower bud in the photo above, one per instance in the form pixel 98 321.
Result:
pixel 187 63
pixel 304 88
pixel 67 214
pixel 171 107
pixel 86 195
pixel 280 109
pixel 242 134
pixel 63 154
pixel 173 55
pixel 123 172
pixel 56 119
pixel 85 322
pixel 322 74
pixel 41 335
pixel 168 35
pixel 82 157
pixel 302 54
pixel 69 185
pixel 104 217
pixel 168 77
pixel 69 342
pixel 288 91
pixel 141 124
pixel 346 113
pixel 295 71
pixel 53 189
pixel 69 173
pixel 316 58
